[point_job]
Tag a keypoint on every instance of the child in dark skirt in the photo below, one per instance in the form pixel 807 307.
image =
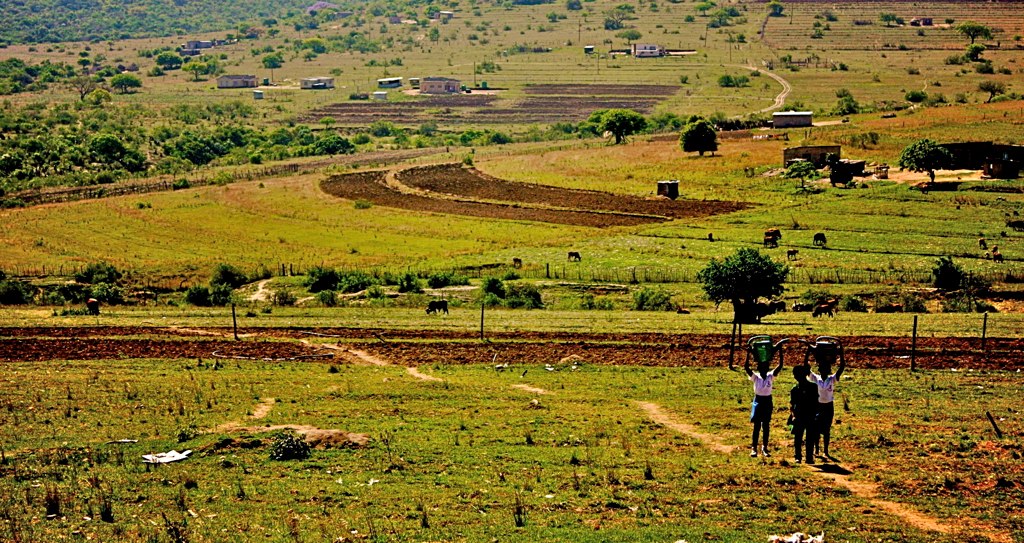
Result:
pixel 762 350
pixel 803 408
pixel 825 350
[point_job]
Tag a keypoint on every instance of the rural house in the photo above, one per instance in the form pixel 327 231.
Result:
pixel 236 81
pixel 646 50
pixel 197 44
pixel 389 83
pixel 994 159
pixel 792 119
pixel 316 83
pixel 439 85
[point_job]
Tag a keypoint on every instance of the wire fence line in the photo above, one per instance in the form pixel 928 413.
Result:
pixel 564 271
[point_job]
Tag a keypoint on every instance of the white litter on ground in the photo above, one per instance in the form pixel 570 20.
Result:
pixel 165 458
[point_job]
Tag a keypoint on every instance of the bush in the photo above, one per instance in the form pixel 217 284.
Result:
pixel 523 295
pixel 198 295
pixel 409 283
pixel 354 281
pixel 651 299
pixel 14 292
pixel 327 298
pixel 107 293
pixel 98 272
pixel 589 302
pixel 916 96
pixel 320 278
pixel 947 274
pixel 446 279
pixel 283 297
pixel 815 297
pixel 913 303
pixel 226 274
pixel 181 184
pixel 289 447
pixel 493 286
pixel 853 303
pixel 220 295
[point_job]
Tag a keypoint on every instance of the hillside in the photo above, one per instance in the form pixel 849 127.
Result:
pixel 41 21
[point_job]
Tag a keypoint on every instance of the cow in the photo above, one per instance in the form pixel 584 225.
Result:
pixel 997 256
pixel 799 306
pixel 821 310
pixel 791 254
pixel 772 237
pixel 574 256
pixel 820 240
pixel 92 306
pixel 777 306
pixel 1017 225
pixel 711 236
pixel 517 262
pixel 982 244
pixel 437 306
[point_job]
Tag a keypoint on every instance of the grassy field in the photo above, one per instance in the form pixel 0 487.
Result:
pixel 469 456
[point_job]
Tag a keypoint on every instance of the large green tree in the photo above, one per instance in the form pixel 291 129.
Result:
pixel 993 88
pixel 925 156
pixel 621 123
pixel 973 30
pixel 699 136
pixel 272 62
pixel 124 82
pixel 742 278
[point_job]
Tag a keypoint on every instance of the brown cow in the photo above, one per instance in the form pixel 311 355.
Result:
pixel 997 256
pixel 574 256
pixel 982 244
pixel 772 237
pixel 791 254
pixel 517 262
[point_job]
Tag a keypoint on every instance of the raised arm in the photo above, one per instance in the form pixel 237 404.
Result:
pixel 778 347
pixel 842 362
pixel 746 362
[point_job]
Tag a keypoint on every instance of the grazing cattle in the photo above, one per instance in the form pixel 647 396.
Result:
pixel 820 240
pixel 517 262
pixel 711 236
pixel 682 310
pixel 997 256
pixel 437 306
pixel 1017 225
pixel 772 237
pixel 889 308
pixel 770 242
pixel 798 306
pixel 574 256
pixel 791 254
pixel 92 305
pixel 777 306
pixel 982 244
pixel 823 309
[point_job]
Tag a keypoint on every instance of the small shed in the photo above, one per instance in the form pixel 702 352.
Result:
pixel 588 49
pixel 236 81
pixel 669 188
pixel 445 16
pixel 317 83
pixel 389 83
pixel 414 82
pixel 792 119
pixel 380 95
pixel 257 95
pixel 439 85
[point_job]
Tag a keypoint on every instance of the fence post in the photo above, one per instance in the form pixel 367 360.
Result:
pixel 547 270
pixel 234 321
pixel 913 347
pixel 984 330
pixel 732 343
pixel 482 302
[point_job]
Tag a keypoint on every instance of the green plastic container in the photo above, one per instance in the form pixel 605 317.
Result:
pixel 763 349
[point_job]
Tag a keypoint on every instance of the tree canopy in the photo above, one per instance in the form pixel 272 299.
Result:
pixel 973 30
pixel 993 88
pixel 699 136
pixel 621 123
pixel 742 278
pixel 125 82
pixel 924 156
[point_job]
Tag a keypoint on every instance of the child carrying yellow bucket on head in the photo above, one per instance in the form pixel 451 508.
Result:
pixel 761 349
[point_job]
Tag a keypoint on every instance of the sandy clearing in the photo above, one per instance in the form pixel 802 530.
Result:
pixel 529 388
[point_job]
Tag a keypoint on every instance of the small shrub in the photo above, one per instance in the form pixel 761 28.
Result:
pixel 408 282
pixel 181 184
pixel 226 274
pixel 816 296
pixel 947 274
pixel 107 293
pixel 446 279
pixel 321 278
pixel 289 447
pixel 354 281
pixel 188 432
pixel 916 96
pixel 523 295
pixel 853 303
pixel 14 292
pixel 283 297
pixel 327 298
pixel 651 299
pixel 98 272
pixel 198 295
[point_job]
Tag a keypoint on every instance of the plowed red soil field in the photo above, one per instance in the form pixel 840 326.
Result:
pixel 455 180
pixel 429 347
pixel 371 186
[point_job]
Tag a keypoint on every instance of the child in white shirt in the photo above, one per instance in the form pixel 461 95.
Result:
pixel 761 348
pixel 825 350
